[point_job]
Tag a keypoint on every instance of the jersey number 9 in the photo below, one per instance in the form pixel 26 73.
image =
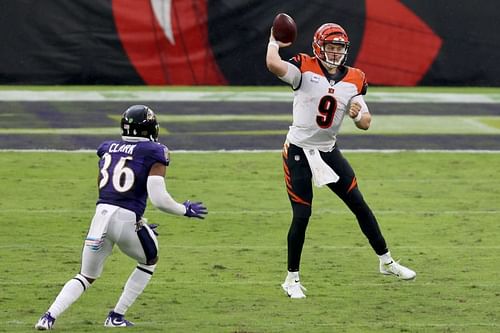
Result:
pixel 327 107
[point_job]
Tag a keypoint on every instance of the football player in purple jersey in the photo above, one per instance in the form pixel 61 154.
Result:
pixel 130 170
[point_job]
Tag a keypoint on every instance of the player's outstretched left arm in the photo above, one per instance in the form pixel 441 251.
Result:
pixel 162 200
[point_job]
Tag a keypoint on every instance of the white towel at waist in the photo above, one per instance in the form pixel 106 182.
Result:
pixel 322 174
pixel 99 226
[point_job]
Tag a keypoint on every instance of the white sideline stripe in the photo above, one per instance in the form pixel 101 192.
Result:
pixel 365 180
pixel 238 151
pixel 240 96
pixel 282 247
pixel 268 283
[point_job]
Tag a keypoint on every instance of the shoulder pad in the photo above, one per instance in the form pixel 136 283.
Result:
pixel 358 78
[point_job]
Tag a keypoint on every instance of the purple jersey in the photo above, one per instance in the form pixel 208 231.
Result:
pixel 124 169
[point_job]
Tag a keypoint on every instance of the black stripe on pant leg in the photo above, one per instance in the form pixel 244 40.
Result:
pixel 148 244
pixel 83 284
pixel 144 270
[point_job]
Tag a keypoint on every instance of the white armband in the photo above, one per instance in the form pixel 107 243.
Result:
pixel 364 108
pixel 274 43
pixel 161 199
pixel 358 117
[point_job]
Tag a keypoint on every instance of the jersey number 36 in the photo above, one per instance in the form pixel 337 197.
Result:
pixel 122 176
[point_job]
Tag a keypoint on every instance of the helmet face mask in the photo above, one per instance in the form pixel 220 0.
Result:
pixel 335 53
pixel 140 121
pixel 331 45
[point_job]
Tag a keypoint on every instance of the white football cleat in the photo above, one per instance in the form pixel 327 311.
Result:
pixel 394 268
pixel 116 320
pixel 45 323
pixel 294 289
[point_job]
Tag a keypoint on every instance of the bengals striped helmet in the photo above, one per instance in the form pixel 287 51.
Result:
pixel 330 33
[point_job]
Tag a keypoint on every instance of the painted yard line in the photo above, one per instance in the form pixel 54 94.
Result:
pixel 196 118
pixel 393 122
pixel 62 131
pixel 381 125
pixel 249 96
pixel 387 129
pixel 425 125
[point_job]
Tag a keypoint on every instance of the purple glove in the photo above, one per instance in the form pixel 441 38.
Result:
pixel 153 227
pixel 195 209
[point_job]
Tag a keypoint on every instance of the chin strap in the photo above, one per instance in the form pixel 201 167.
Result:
pixel 328 65
pixel 332 64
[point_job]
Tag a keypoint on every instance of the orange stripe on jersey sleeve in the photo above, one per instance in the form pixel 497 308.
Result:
pixel 356 77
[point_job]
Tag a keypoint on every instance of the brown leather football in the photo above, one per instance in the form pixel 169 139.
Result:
pixel 284 28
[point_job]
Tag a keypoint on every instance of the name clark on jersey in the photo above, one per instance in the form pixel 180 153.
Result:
pixel 117 148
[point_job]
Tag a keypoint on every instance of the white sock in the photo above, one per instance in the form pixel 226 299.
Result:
pixel 71 291
pixel 135 285
pixel 386 258
pixel 292 277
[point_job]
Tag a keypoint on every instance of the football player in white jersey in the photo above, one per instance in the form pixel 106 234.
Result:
pixel 325 91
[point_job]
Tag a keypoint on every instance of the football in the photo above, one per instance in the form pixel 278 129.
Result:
pixel 284 28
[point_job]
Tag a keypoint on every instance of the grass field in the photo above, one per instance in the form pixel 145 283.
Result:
pixel 439 213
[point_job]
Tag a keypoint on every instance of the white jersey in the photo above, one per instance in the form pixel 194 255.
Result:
pixel 321 101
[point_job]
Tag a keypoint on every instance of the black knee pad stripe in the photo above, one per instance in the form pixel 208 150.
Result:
pixel 148 244
pixel 144 270
pixel 83 284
